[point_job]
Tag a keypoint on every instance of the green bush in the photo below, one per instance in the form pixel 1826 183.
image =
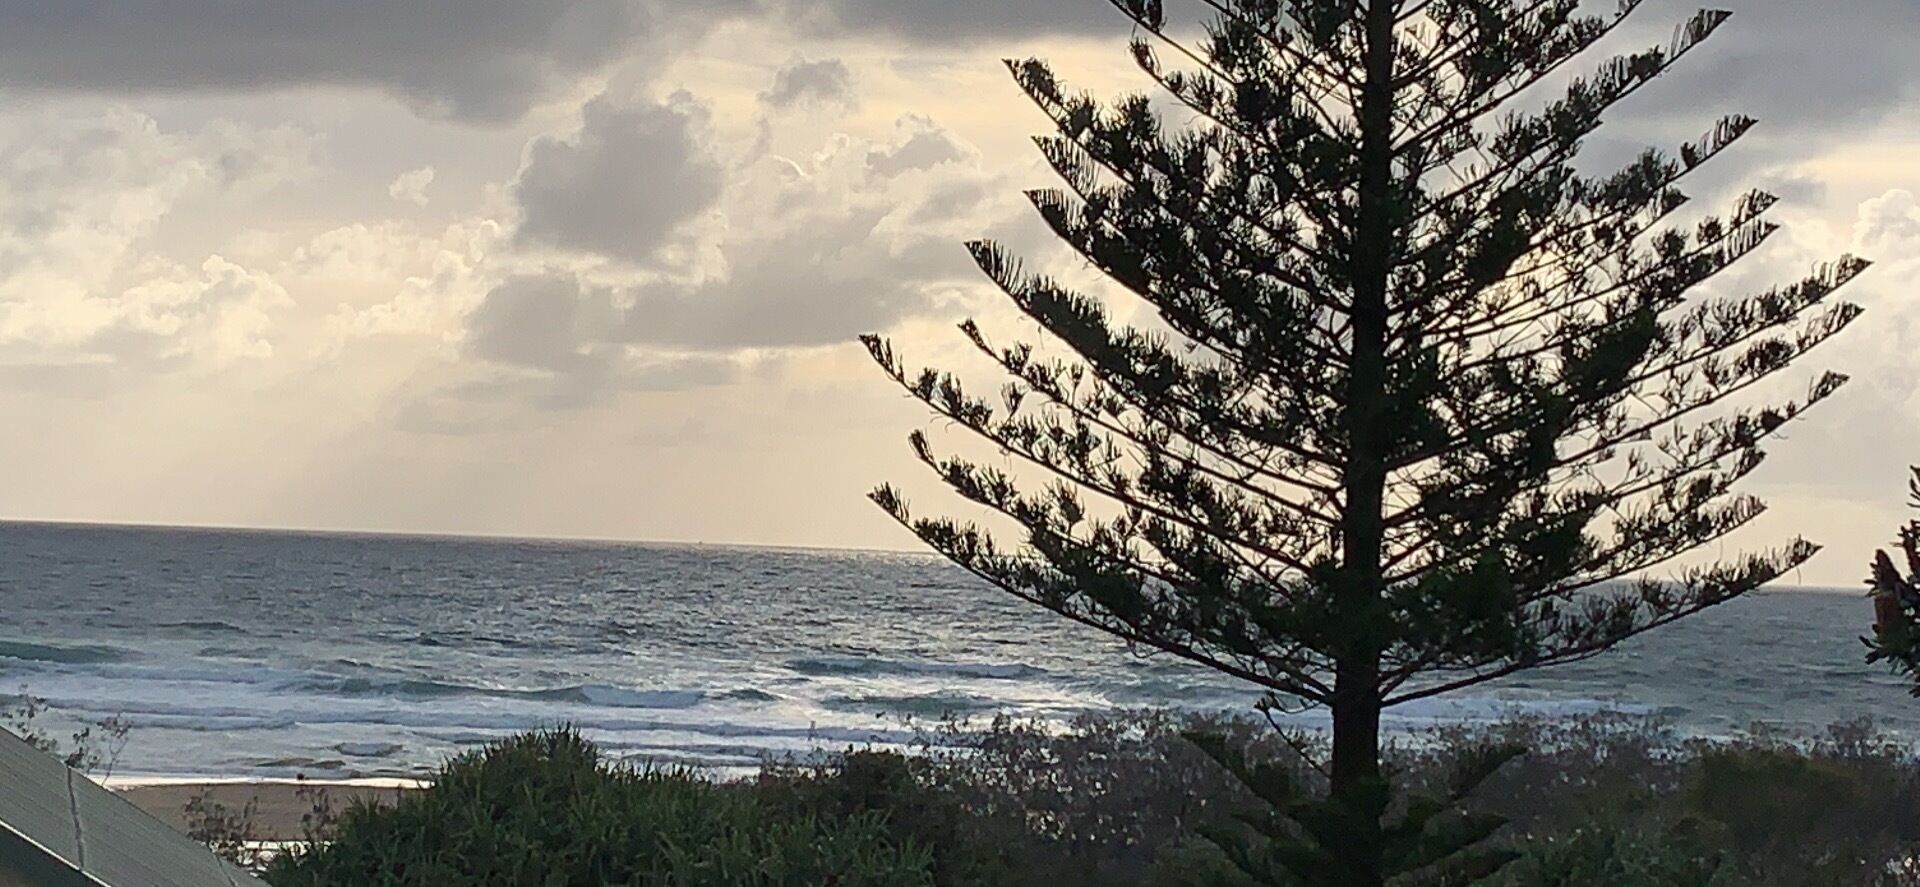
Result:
pixel 546 809
pixel 967 845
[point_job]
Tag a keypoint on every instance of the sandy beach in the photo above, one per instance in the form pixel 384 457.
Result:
pixel 278 806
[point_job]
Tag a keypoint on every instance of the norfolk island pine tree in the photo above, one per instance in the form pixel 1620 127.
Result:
pixel 1422 406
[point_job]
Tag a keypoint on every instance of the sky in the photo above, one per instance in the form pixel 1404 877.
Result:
pixel 594 268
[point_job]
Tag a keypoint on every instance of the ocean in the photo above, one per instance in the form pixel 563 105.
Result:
pixel 248 654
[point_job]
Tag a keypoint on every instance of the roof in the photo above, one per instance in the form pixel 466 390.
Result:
pixel 60 829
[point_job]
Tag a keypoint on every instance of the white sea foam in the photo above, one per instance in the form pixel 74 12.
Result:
pixel 876 665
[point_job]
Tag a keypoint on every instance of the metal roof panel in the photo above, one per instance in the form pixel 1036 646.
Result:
pixel 35 798
pixel 55 820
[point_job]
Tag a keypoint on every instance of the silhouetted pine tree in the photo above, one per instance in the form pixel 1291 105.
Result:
pixel 1422 404
pixel 1896 599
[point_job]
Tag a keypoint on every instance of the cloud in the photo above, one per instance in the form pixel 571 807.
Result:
pixel 800 82
pixel 1814 74
pixel 216 314
pixel 1882 346
pixel 810 254
pixel 804 253
pixel 949 22
pixel 542 341
pixel 1889 224
pixel 624 184
pixel 172 315
pixel 470 59
pixel 817 283
pixel 423 284
pixel 494 398
pixel 540 322
pixel 411 186
pixel 1805 69
pixel 79 195
pixel 925 147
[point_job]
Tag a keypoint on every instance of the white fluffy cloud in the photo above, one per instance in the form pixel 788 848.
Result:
pixel 78 197
pixel 424 282
pixel 219 312
pixel 1883 349
pixel 411 186
pixel 1890 225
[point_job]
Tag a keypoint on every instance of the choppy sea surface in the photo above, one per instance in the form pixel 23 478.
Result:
pixel 266 654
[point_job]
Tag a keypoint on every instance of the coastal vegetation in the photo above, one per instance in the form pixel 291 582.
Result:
pixel 1394 399
pixel 1895 587
pixel 1126 799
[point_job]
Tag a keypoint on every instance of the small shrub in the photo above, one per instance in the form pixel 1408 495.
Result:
pixel 231 834
pixel 322 819
pixel 966 845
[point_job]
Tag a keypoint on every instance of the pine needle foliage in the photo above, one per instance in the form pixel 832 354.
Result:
pixel 1417 405
pixel 1896 599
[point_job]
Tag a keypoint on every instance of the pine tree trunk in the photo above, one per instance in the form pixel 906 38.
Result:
pixel 1355 786
pixel 1356 776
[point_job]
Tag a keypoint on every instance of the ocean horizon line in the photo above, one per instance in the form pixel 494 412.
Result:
pixel 583 541
pixel 450 536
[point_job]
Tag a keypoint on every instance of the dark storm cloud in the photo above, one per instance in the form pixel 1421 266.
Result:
pixel 951 21
pixel 1807 69
pixel 623 184
pixel 470 59
pixel 476 59
pixel 1804 62
pixel 1816 75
